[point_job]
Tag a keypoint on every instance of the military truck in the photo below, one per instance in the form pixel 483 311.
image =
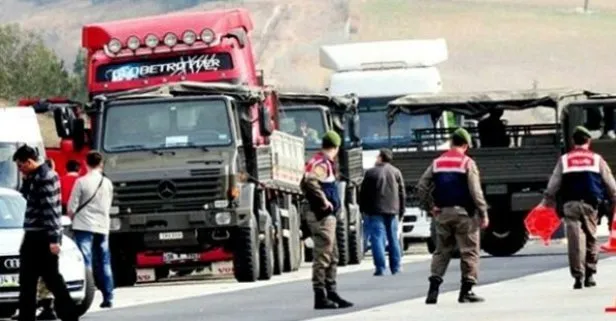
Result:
pixel 310 116
pixel 597 115
pixel 198 168
pixel 513 177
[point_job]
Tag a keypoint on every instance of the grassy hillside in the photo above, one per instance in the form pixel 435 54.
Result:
pixel 504 44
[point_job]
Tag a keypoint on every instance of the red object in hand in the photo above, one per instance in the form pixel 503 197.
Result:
pixel 543 222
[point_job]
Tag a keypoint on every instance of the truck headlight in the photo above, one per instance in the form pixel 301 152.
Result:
pixel 223 218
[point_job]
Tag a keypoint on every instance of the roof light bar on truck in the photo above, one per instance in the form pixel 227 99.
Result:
pixel 383 55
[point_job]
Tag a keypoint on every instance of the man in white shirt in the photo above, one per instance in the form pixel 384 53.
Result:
pixel 89 207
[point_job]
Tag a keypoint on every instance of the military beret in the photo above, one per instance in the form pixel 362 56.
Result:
pixel 332 138
pixel 582 130
pixel 462 133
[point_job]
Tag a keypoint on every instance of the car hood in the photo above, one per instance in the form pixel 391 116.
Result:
pixel 10 241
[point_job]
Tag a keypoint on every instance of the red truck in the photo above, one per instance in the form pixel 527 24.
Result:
pixel 190 135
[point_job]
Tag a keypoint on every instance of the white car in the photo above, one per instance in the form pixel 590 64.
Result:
pixel 72 267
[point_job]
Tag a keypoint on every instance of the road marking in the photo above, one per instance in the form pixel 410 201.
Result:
pixel 170 291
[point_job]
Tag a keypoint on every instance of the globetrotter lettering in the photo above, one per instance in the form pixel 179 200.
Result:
pixel 184 66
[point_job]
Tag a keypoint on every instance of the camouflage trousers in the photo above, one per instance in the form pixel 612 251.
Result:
pixel 42 292
pixel 325 251
pixel 581 226
pixel 453 226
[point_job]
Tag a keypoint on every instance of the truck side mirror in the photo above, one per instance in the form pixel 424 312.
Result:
pixel 63 120
pixel 354 128
pixel 79 133
pixel 265 125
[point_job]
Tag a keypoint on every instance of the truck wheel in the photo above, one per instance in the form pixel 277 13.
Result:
pixel 356 243
pixel 124 272
pixel 161 273
pixel 278 242
pixel 292 244
pixel 266 252
pixel 246 253
pixel 342 238
pixel 7 310
pixel 90 292
pixel 504 242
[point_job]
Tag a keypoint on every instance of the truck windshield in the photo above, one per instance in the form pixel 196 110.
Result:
pixel 9 176
pixel 12 210
pixel 166 124
pixel 373 125
pixel 306 123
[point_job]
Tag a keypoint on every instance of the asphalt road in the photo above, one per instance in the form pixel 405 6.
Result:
pixel 293 300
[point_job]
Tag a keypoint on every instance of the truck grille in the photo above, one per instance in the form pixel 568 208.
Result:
pixel 170 194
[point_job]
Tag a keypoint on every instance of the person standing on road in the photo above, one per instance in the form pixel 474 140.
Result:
pixel 319 186
pixel 382 199
pixel 67 181
pixel 582 177
pixel 450 189
pixel 41 244
pixel 89 207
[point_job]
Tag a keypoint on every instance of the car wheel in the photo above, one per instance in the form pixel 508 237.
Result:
pixel 90 291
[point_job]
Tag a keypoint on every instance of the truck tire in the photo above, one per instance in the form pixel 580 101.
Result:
pixel 124 272
pixel 342 239
pixel 162 273
pixel 7 310
pixel 266 252
pixel 246 253
pixel 356 242
pixel 308 257
pixel 278 241
pixel 504 242
pixel 90 292
pixel 292 244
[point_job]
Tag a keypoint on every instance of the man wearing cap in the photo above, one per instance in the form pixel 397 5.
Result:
pixel 450 189
pixel 382 200
pixel 582 177
pixel 321 191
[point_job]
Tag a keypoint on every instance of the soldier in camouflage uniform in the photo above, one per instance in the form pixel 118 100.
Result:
pixel 582 177
pixel 451 190
pixel 321 191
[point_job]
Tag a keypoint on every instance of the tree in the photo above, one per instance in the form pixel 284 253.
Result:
pixel 29 69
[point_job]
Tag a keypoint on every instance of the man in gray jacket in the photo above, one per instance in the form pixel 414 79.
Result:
pixel 89 207
pixel 382 200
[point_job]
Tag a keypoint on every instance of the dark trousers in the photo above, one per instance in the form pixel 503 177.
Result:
pixel 38 261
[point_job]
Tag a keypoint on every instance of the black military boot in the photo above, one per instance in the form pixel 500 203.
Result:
pixel 578 284
pixel 342 303
pixel 589 281
pixel 466 295
pixel 435 283
pixel 48 312
pixel 321 302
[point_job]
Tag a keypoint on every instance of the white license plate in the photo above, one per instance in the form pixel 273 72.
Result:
pixel 9 280
pixel 222 268
pixel 166 236
pixel 146 275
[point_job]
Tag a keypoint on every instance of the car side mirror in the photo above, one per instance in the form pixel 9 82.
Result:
pixel 66 221
pixel 63 119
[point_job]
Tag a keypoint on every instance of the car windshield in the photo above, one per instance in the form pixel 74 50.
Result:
pixel 9 176
pixel 167 124
pixel 373 125
pixel 306 123
pixel 12 211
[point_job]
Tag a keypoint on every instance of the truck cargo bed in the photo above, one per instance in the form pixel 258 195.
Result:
pixel 496 165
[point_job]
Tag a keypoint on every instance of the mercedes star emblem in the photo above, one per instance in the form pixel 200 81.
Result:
pixel 11 264
pixel 166 189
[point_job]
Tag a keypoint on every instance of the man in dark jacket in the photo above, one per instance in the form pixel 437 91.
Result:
pixel 319 186
pixel 43 236
pixel 382 200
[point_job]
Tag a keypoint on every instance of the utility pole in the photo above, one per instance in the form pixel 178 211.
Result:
pixel 586 5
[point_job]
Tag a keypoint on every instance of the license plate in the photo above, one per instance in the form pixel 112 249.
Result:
pixel 222 268
pixel 146 275
pixel 175 257
pixel 9 280
pixel 166 236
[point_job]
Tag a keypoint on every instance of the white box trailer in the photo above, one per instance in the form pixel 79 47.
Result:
pixel 379 72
